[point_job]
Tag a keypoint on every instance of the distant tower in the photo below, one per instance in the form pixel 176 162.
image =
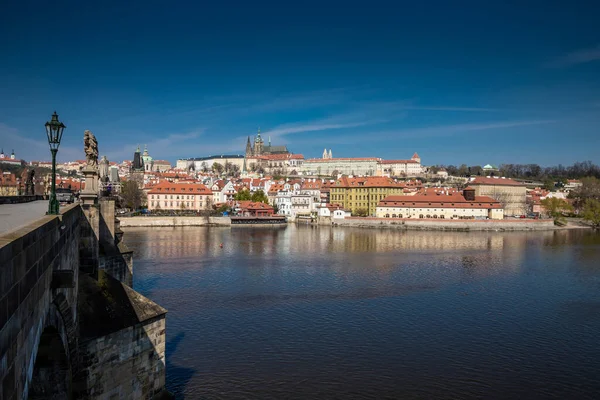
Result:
pixel 148 161
pixel 2 153
pixel 244 169
pixel 12 155
pixel 325 155
pixel 248 148
pixel 103 166
pixel 330 156
pixel 138 161
pixel 258 145
pixel 416 158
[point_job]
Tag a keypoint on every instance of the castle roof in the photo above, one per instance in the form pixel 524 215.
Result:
pixel 439 198
pixel 495 181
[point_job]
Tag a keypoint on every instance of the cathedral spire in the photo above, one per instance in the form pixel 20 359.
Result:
pixel 248 148
pixel 324 154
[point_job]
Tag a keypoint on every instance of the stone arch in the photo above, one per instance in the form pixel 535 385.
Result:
pixel 51 377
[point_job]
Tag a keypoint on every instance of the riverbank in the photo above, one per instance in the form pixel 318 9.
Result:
pixel 147 221
pixel 368 222
pixel 449 224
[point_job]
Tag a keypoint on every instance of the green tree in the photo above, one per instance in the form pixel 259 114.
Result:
pixel 549 185
pixel 555 207
pixel 243 194
pixel 591 212
pixel 218 168
pixel 361 212
pixel 260 197
pixel 224 208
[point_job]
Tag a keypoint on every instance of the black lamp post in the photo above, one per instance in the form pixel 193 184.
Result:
pixel 54 130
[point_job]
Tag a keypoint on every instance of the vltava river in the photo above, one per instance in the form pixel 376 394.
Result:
pixel 320 313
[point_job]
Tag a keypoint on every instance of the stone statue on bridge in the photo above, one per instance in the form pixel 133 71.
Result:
pixel 90 146
pixel 29 185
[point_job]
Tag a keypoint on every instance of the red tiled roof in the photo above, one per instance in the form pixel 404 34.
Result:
pixel 433 199
pixel 280 157
pixel 483 180
pixel 180 188
pixel 253 205
pixel 311 185
pixel 343 159
pixel 368 181
pixel 276 187
pixel 398 162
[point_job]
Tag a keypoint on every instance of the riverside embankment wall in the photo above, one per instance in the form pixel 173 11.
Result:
pixel 451 225
pixel 130 222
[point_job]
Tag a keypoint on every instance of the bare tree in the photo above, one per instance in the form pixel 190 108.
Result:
pixel 504 198
pixel 208 208
pixel 132 195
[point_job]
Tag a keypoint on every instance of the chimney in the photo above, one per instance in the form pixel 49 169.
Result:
pixel 469 194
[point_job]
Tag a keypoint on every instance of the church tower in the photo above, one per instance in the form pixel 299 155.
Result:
pixel 330 155
pixel 248 148
pixel 138 161
pixel 258 144
pixel 324 154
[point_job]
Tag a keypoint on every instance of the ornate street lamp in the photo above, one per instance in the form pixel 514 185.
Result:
pixel 54 130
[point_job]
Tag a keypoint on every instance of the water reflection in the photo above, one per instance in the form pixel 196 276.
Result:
pixel 307 312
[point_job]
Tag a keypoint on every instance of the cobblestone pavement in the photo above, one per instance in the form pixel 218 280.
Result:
pixel 13 216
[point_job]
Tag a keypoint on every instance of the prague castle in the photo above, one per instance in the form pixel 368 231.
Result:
pixel 259 148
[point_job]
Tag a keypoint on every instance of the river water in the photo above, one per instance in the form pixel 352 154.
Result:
pixel 319 313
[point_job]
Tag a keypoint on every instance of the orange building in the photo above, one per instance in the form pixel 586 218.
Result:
pixel 179 196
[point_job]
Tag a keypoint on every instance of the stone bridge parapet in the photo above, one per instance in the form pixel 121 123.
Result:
pixel 46 269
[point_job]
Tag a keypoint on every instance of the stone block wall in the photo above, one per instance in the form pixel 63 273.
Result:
pixel 127 364
pixel 28 257
pixel 107 221
pixel 89 241
pixel 436 224
pixel 119 264
pixel 173 221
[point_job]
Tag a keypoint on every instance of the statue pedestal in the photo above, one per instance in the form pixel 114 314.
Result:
pixel 89 195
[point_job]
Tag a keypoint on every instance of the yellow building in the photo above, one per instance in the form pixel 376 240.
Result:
pixel 364 193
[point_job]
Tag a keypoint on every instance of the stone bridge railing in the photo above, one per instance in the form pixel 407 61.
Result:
pixel 64 294
pixel 39 266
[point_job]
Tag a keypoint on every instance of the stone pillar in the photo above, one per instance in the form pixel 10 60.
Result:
pixel 89 195
pixel 89 249
pixel 107 223
pixel 90 224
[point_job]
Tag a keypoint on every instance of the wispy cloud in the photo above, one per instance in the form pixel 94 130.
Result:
pixel 35 149
pixel 443 108
pixel 174 144
pixel 450 130
pixel 314 127
pixel 577 57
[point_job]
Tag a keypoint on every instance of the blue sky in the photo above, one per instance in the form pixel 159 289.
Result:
pixel 466 81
